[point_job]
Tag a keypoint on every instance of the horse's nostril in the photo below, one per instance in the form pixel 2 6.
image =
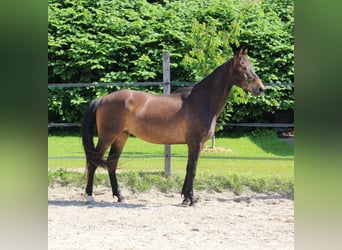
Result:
pixel 261 89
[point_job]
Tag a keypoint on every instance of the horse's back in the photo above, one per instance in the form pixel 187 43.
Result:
pixel 153 117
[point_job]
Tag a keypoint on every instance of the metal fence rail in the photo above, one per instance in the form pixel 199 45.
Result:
pixel 265 125
pixel 123 156
pixel 143 84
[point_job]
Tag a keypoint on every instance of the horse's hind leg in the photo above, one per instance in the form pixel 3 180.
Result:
pixel 90 179
pixel 95 159
pixel 112 162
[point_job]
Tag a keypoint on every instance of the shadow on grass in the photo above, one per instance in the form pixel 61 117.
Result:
pixel 269 142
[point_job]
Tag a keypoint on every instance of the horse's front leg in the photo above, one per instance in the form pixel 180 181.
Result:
pixel 187 190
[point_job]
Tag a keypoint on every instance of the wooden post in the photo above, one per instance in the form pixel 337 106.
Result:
pixel 167 91
pixel 213 144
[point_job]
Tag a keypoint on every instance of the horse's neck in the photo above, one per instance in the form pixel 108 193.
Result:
pixel 215 88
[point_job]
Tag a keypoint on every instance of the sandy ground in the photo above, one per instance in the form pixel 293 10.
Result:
pixel 155 220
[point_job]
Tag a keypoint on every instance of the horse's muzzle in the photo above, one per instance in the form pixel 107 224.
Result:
pixel 258 87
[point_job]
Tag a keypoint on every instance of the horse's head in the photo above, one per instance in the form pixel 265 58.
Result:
pixel 244 75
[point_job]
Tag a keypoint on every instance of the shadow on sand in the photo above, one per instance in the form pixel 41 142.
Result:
pixel 67 203
pixel 248 198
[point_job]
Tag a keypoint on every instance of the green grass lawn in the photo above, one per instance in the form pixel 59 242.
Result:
pixel 259 161
pixel 257 154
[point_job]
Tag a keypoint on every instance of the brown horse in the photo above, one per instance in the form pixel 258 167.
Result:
pixel 188 115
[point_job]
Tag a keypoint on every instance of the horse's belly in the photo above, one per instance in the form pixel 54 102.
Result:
pixel 161 140
pixel 166 134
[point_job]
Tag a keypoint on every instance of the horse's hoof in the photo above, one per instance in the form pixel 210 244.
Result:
pixel 193 202
pixel 89 199
pixel 121 198
pixel 186 202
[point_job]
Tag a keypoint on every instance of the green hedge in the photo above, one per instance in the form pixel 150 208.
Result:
pixel 123 41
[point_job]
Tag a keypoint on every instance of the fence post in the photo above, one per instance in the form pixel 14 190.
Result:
pixel 166 91
pixel 213 141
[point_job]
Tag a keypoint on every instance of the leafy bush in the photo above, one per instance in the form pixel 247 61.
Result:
pixel 122 41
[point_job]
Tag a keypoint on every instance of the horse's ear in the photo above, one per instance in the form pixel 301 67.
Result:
pixel 235 48
pixel 241 51
pixel 238 52
pixel 237 55
pixel 239 48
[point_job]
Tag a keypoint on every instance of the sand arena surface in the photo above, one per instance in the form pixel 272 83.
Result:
pixel 155 220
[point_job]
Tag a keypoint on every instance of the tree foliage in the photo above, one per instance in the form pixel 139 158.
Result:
pixel 123 41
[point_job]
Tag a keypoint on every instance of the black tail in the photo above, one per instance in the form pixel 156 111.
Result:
pixel 87 133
